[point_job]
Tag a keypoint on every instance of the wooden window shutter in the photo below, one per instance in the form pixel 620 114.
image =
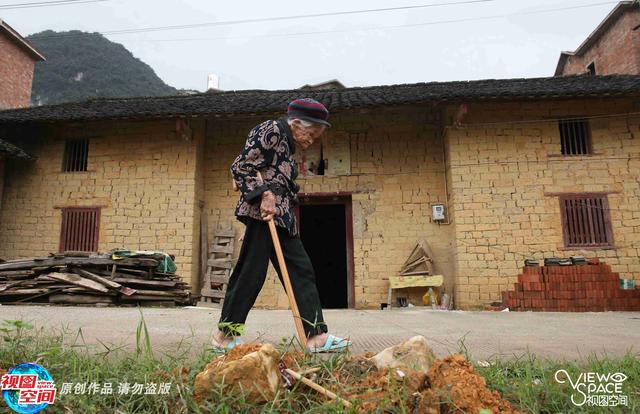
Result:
pixel 80 228
pixel 586 220
pixel 76 155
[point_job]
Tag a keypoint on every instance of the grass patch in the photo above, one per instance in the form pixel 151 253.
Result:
pixel 527 382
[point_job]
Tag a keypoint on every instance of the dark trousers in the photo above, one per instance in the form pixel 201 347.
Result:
pixel 250 272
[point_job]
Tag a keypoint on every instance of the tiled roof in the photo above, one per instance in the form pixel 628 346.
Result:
pixel 10 33
pixel 13 151
pixel 261 101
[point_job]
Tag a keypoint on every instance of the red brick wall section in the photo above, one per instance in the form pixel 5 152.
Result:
pixel 16 75
pixel 617 50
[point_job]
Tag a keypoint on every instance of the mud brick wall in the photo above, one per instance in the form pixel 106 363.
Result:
pixel 141 174
pixel 587 288
pixel 505 175
pixel 397 171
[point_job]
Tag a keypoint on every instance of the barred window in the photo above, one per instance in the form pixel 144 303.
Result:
pixel 76 152
pixel 586 220
pixel 575 137
pixel 80 227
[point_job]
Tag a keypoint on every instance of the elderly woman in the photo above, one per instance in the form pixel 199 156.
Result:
pixel 269 150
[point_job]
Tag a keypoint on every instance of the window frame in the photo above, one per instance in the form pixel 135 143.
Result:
pixel 70 166
pixel 588 137
pixel 66 239
pixel 606 222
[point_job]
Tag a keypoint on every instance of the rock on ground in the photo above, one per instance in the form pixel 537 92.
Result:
pixel 412 354
pixel 255 373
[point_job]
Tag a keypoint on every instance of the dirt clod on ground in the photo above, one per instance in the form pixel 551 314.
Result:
pixel 378 387
pixel 241 350
pixel 356 368
pixel 455 387
pixel 294 360
pixel 254 373
pixel 450 386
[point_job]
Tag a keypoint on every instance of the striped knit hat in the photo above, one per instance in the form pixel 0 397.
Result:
pixel 309 110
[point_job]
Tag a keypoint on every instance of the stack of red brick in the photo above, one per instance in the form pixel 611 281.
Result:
pixel 576 288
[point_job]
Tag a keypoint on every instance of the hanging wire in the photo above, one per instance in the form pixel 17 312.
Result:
pixel 294 17
pixel 39 4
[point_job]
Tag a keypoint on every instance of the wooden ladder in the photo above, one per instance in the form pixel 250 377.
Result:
pixel 219 266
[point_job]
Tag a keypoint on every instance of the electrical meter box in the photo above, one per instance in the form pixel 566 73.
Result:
pixel 437 212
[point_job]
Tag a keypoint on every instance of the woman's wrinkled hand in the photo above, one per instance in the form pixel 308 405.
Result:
pixel 268 206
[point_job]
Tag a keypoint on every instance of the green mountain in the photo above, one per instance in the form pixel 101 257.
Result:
pixel 84 65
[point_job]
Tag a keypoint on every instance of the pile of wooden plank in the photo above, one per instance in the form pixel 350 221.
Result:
pixel 420 261
pixel 417 271
pixel 80 278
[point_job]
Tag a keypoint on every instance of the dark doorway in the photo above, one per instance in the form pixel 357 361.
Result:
pixel 323 230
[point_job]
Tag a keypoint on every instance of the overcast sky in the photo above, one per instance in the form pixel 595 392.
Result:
pixel 452 42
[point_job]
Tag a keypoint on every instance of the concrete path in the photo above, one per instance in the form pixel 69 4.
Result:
pixel 484 334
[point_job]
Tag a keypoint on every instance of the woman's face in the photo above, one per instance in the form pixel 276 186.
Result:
pixel 306 136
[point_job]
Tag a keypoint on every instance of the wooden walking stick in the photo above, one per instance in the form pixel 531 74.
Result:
pixel 285 277
pixel 322 390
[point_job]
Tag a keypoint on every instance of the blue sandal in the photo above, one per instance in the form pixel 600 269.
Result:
pixel 216 347
pixel 332 344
